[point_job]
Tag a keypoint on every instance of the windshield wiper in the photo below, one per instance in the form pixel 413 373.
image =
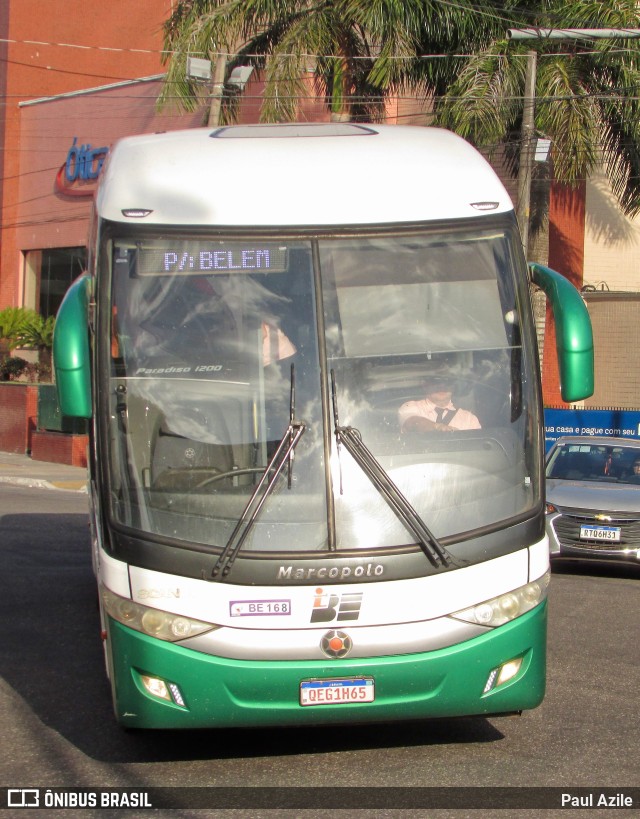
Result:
pixel 281 457
pixel 436 553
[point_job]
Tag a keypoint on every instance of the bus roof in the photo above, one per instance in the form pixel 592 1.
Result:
pixel 297 175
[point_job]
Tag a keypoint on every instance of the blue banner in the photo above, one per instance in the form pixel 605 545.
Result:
pixel 617 423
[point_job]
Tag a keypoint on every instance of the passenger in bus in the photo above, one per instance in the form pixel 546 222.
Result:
pixel 436 410
pixel 198 322
pixel 276 346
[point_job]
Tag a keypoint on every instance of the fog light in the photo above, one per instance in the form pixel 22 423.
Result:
pixel 156 687
pixel 509 670
pixel 505 672
pixel 162 689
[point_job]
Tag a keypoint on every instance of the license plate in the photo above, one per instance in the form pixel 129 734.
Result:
pixel 600 533
pixel 337 692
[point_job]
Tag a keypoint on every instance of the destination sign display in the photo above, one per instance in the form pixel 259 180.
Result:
pixel 201 257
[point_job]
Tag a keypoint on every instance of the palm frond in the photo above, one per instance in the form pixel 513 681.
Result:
pixel 486 100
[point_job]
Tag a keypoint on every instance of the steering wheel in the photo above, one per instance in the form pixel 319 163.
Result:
pixel 231 473
pixel 181 478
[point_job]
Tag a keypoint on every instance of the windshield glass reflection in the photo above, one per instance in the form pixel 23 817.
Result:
pixel 423 333
pixel 417 324
pixel 201 386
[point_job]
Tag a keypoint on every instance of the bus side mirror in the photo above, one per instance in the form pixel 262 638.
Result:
pixel 71 351
pixel 574 336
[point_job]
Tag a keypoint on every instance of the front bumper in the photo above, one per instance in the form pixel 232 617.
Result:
pixel 220 692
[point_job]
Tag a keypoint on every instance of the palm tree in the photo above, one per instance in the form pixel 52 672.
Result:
pixel 585 95
pixel 363 51
pixel 359 51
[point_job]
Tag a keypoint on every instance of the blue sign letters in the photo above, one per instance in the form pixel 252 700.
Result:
pixel 616 423
pixel 84 162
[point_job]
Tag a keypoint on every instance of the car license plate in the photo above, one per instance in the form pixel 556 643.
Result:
pixel 337 692
pixel 600 533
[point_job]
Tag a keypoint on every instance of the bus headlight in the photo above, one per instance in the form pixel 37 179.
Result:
pixel 506 607
pixel 157 623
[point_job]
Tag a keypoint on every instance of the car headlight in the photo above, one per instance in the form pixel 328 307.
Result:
pixel 156 623
pixel 550 509
pixel 506 607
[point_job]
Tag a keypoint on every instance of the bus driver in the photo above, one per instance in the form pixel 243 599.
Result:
pixel 436 410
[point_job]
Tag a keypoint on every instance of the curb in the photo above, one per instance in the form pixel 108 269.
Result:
pixel 40 483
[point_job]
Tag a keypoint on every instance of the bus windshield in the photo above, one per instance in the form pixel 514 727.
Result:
pixel 219 347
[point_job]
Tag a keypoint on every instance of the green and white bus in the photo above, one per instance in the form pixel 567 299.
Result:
pixel 270 547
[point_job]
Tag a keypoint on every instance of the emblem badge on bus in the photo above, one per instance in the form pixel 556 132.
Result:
pixel 336 644
pixel 328 606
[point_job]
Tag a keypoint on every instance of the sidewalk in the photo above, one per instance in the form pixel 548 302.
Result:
pixel 21 470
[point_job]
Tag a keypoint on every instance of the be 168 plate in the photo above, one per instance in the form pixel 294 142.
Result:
pixel 337 692
pixel 600 533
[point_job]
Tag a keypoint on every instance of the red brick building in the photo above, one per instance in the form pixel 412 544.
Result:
pixel 52 48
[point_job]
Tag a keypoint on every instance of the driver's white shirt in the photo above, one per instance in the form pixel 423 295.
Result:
pixel 425 408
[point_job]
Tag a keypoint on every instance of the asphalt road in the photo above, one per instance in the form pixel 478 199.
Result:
pixel 57 728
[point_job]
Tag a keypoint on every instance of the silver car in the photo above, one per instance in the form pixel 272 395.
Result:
pixel 593 498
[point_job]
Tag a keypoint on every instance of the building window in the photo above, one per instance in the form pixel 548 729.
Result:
pixel 48 274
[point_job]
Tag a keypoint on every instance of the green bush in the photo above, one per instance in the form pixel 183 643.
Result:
pixel 14 321
pixel 12 368
pixel 37 332
pixel 23 327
